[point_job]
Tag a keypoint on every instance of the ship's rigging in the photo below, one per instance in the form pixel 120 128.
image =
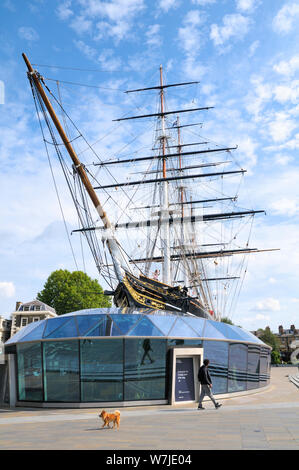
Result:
pixel 158 235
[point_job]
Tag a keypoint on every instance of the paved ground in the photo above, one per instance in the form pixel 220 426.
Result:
pixel 265 420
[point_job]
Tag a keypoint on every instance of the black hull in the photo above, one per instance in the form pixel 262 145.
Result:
pixel 147 293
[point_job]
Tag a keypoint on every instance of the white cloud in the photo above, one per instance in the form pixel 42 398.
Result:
pixel 81 24
pixel 281 128
pixel 7 289
pixel 109 62
pixel 116 17
pixel 235 25
pixel 269 305
pixel 189 33
pixel 286 18
pixel 246 5
pixel 253 48
pixel 88 51
pixel 28 33
pixel 285 206
pixel 63 10
pixel 166 5
pixel 152 35
pixel 247 148
pixel 287 68
pixel 282 159
pixel 287 92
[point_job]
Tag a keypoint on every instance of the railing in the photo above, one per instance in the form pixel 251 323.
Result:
pixel 294 379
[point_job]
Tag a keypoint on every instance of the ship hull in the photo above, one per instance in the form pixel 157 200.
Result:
pixel 147 293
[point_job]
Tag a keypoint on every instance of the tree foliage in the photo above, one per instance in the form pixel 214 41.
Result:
pixel 70 291
pixel 269 338
pixel 226 320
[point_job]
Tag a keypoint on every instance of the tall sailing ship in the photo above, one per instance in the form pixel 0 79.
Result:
pixel 164 237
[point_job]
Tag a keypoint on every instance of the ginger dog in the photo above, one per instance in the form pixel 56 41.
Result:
pixel 110 417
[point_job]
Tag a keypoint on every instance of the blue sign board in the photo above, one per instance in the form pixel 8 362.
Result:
pixel 184 379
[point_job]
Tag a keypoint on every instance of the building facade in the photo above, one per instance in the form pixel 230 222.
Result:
pixel 26 313
pixel 287 341
pixel 120 357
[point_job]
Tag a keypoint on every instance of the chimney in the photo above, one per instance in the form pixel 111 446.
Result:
pixel 280 329
pixel 18 304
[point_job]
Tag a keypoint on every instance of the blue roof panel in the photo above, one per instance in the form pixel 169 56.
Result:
pixel 35 333
pixel 145 328
pixel 125 322
pixel 66 330
pixel 180 329
pixel 128 322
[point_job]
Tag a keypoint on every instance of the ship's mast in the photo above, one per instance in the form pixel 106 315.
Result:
pixel 165 201
pixel 120 261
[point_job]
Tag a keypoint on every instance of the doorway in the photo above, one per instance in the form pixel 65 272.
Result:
pixel 185 363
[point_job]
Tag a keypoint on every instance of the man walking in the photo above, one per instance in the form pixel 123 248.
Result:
pixel 206 385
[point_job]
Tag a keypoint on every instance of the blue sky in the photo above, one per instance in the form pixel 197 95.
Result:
pixel 245 55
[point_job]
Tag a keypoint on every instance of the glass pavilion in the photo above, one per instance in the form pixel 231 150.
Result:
pixel 117 356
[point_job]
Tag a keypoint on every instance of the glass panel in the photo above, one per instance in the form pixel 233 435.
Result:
pixel 22 332
pixel 67 330
pixel 227 331
pixel 264 367
pixel 101 369
pixel 237 377
pixel 245 335
pixel 211 332
pixel 164 323
pixel 86 322
pixel 61 371
pixel 182 329
pixel 217 353
pixel 125 322
pixel 145 369
pixel 196 323
pixel 36 333
pixel 145 328
pixel 103 328
pixel 253 367
pixel 30 382
pixel 54 323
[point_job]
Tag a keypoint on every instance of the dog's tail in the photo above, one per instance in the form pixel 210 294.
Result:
pixel 117 412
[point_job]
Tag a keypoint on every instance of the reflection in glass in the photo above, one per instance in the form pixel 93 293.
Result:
pixel 145 369
pixel 264 367
pixel 145 328
pixel 30 382
pixel 253 367
pixel 184 342
pixel 237 370
pixel 61 371
pixel 217 353
pixel 101 369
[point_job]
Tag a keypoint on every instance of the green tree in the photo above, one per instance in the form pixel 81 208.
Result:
pixel 269 338
pixel 226 320
pixel 70 291
pixel 275 357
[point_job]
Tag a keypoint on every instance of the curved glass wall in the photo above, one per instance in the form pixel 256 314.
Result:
pixel 102 355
